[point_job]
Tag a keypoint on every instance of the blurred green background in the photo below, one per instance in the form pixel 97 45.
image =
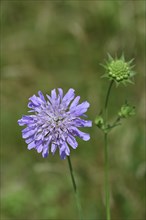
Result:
pixel 50 44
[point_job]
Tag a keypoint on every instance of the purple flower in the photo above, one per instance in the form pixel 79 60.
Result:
pixel 55 122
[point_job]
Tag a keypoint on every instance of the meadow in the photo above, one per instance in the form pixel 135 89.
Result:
pixel 52 44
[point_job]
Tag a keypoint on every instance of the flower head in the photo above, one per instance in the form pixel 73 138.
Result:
pixel 54 123
pixel 119 70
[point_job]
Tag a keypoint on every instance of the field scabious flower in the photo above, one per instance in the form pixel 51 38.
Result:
pixel 54 122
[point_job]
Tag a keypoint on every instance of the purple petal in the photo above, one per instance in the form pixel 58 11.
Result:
pixel 72 141
pixel 69 96
pixel 31 145
pixel 53 148
pixel 41 96
pixel 21 122
pixel 28 129
pixel 30 139
pixel 39 136
pixel 60 93
pixel 39 148
pixel 49 98
pixel 25 120
pixel 46 147
pixel 80 109
pixel 28 133
pixel 75 102
pixel 45 152
pixel 38 142
pixel 78 122
pixel 67 150
pixel 34 100
pixel 75 131
pixel 63 155
pixel 53 94
pixel 64 150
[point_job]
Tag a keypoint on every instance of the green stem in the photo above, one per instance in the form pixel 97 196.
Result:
pixel 107 99
pixel 106 154
pixel 107 193
pixel 75 188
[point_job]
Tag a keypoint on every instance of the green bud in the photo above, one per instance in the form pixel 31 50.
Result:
pixel 126 111
pixel 118 69
pixel 99 121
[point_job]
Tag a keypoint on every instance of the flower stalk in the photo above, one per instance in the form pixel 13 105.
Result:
pixel 106 153
pixel 75 188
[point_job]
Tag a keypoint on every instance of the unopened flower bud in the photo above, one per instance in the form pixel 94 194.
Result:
pixel 99 121
pixel 126 111
pixel 119 70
